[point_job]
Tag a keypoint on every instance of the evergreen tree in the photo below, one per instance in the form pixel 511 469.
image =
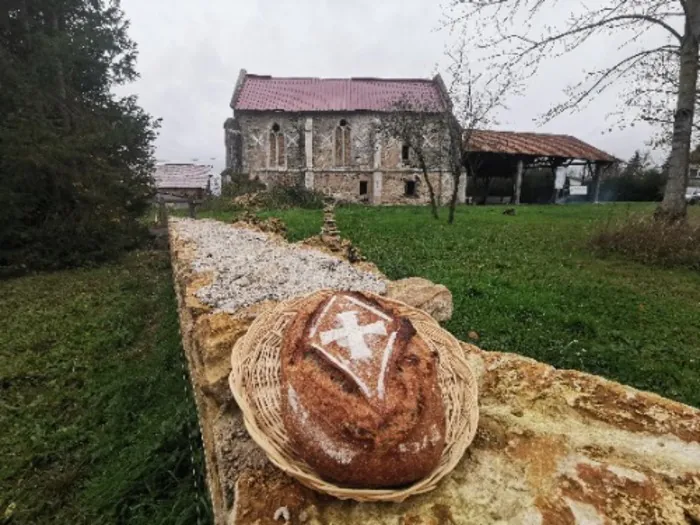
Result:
pixel 637 181
pixel 75 160
pixel 634 166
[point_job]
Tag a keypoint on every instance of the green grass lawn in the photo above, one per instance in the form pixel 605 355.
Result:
pixel 96 417
pixel 529 284
pixel 98 424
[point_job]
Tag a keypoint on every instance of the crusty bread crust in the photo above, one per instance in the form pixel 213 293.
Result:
pixel 360 396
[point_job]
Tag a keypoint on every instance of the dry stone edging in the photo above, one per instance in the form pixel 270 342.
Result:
pixel 251 267
pixel 553 446
pixel 433 298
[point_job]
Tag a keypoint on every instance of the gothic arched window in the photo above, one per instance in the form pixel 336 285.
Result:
pixel 278 152
pixel 342 144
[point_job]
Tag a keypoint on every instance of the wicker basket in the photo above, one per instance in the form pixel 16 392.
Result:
pixel 255 383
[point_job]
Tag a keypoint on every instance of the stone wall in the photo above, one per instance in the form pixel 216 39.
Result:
pixel 254 141
pixel 362 140
pixel 280 178
pixel 344 186
pixel 553 446
pixel 234 146
pixel 310 157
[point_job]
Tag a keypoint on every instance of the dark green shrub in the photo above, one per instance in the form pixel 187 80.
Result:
pixel 645 186
pixel 239 184
pixel 242 193
pixel 75 160
pixel 283 197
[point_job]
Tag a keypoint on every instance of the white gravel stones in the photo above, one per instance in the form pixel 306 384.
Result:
pixel 249 267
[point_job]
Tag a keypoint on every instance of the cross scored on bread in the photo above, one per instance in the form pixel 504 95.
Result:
pixel 358 339
pixel 351 335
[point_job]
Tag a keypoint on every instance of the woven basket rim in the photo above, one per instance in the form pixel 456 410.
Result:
pixel 454 371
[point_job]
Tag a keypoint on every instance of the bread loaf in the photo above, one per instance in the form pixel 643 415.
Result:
pixel 361 401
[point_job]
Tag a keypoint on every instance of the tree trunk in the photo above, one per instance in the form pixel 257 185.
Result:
pixel 455 192
pixel 597 176
pixel 431 190
pixel 456 146
pixel 673 206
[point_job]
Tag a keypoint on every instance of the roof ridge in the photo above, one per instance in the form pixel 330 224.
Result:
pixel 395 79
pixel 546 134
pixel 380 79
pixel 267 93
pixel 182 164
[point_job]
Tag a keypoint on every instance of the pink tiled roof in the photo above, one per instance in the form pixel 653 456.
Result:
pixel 182 176
pixel 533 144
pixel 264 93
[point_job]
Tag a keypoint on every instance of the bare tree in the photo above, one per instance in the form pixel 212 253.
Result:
pixel 475 98
pixel 438 138
pixel 520 36
pixel 653 91
pixel 421 130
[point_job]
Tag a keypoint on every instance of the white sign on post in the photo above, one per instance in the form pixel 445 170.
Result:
pixel 578 190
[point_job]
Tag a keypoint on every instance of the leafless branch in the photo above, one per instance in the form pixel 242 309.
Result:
pixel 517 42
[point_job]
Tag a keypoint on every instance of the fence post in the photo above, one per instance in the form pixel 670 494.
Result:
pixel 162 214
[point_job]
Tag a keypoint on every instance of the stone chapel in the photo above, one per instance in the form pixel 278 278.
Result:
pixel 329 135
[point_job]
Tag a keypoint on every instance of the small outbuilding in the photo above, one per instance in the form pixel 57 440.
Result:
pixel 182 183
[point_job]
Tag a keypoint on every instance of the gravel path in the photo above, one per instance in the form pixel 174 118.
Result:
pixel 249 267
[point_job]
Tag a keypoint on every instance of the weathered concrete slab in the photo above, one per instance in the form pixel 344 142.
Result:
pixel 553 446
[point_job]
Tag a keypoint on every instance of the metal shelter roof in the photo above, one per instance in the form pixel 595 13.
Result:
pixel 533 145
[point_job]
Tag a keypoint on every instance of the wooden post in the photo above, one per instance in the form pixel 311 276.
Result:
pixel 518 182
pixel 462 188
pixel 162 214
pixel 192 204
pixel 596 182
pixel 555 191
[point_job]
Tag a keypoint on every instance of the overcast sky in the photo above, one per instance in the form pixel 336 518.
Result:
pixel 190 54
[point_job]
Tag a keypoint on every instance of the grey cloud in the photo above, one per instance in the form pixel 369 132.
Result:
pixel 191 52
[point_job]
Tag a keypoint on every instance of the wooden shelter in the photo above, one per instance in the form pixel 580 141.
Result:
pixel 510 154
pixel 182 183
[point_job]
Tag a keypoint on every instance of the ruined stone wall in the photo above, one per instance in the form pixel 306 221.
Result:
pixel 345 186
pixel 255 135
pixel 279 178
pixel 394 191
pixel 234 145
pixel 552 447
pixel 362 141
pixel 372 154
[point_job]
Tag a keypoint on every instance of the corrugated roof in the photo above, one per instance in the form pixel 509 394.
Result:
pixel 534 144
pixel 183 176
pixel 264 93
